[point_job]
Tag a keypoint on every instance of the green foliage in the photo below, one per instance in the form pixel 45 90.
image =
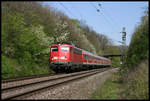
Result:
pixel 116 62
pixel 139 46
pixel 11 66
pixel 136 83
pixel 23 43
pixel 3 37
pixel 28 28
pixel 75 22
pixel 133 74
pixel 113 50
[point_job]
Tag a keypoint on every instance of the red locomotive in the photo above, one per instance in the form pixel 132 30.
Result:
pixel 66 57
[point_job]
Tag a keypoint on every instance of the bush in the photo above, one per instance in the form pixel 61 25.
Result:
pixel 10 67
pixel 139 46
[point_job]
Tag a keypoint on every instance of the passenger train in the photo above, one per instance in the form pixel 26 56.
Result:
pixel 66 57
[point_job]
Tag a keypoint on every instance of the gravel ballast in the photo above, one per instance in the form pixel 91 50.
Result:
pixel 80 89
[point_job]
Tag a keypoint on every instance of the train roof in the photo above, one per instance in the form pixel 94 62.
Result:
pixel 94 54
pixel 68 43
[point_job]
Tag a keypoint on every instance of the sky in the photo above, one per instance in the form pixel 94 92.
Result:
pixel 110 19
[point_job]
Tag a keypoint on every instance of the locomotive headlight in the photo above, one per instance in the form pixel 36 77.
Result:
pixel 62 57
pixel 55 57
pixel 59 58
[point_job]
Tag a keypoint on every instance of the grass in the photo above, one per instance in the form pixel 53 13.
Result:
pixel 133 85
pixel 110 90
pixel 136 82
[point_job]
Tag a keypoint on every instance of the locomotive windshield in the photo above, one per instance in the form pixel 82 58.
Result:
pixel 65 48
pixel 55 48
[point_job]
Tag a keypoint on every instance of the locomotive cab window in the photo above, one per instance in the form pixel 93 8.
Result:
pixel 65 48
pixel 53 49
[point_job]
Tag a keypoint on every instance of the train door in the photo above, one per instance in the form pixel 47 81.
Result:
pixel 71 54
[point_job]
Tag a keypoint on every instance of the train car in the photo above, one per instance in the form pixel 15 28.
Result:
pixel 93 61
pixel 65 57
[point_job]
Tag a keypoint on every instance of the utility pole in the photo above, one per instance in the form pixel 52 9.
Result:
pixel 123 49
pixel 124 36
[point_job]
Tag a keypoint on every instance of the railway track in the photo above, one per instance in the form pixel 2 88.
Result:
pixel 24 78
pixel 23 90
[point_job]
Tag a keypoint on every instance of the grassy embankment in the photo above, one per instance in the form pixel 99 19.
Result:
pixel 135 86
pixel 131 82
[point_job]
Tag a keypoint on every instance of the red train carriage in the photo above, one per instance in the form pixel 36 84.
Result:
pixel 65 57
pixel 90 60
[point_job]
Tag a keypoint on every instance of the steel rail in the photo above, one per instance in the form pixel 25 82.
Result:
pixel 24 78
pixel 51 79
pixel 79 75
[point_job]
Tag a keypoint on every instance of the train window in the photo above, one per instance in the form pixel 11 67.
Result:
pixel 65 48
pixel 77 51
pixel 55 48
pixel 85 56
pixel 70 49
pixel 88 57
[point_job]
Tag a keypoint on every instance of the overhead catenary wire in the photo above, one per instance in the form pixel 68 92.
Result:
pixel 97 9
pixel 109 22
pixel 66 9
pixel 104 16
pixel 105 19
pixel 78 11
pixel 94 7
pixel 114 25
pixel 69 10
pixel 108 15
